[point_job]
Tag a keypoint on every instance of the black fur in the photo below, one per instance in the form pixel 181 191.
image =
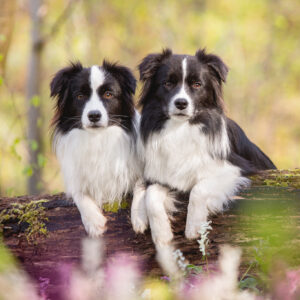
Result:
pixel 158 69
pixel 65 113
pixel 74 80
pixel 127 83
pixel 244 153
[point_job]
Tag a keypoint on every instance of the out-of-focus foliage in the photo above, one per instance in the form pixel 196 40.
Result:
pixel 259 40
pixel 14 282
pixel 269 227
pixel 7 261
pixel 119 278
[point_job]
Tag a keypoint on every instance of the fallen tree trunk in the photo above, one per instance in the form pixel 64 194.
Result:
pixel 274 195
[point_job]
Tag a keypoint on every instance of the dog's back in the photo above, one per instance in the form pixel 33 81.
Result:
pixel 244 153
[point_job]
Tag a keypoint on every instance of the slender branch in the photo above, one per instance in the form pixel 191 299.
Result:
pixel 58 23
pixel 247 271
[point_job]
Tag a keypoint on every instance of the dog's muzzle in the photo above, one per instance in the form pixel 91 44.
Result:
pixel 181 103
pixel 94 116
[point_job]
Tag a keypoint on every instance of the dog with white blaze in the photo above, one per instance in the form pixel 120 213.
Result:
pixel 188 144
pixel 95 133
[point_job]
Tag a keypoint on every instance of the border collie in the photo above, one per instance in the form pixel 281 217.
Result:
pixel 95 130
pixel 188 143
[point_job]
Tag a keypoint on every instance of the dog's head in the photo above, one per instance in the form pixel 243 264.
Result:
pixel 93 98
pixel 182 86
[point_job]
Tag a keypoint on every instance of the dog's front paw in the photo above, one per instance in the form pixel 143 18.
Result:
pixel 194 228
pixel 94 224
pixel 139 221
pixel 191 232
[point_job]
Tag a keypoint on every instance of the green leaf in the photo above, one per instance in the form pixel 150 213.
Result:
pixel 13 149
pixel 249 283
pixel 17 141
pixel 34 145
pixel 1 57
pixel 41 160
pixel 28 171
pixel 1 80
pixel 35 101
pixel 194 268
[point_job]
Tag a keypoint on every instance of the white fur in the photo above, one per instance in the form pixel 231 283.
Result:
pixel 182 157
pixel 138 208
pixel 179 155
pixel 188 111
pixel 98 166
pixel 155 198
pixel 166 259
pixel 97 78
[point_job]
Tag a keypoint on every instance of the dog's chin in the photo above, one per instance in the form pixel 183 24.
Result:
pixel 93 127
pixel 179 117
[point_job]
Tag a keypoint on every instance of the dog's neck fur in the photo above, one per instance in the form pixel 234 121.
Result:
pixel 101 164
pixel 180 151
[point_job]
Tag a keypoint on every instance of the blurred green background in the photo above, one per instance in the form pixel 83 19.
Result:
pixel 259 40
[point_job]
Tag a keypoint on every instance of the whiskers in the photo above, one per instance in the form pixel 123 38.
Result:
pixel 119 116
pixel 118 122
pixel 114 119
pixel 75 122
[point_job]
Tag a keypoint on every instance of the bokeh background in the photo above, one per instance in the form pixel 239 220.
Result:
pixel 258 39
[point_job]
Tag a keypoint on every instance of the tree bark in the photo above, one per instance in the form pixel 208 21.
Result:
pixel 38 42
pixel 65 230
pixel 33 90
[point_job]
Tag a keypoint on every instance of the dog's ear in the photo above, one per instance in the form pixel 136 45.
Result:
pixel 60 82
pixel 151 62
pixel 59 87
pixel 127 82
pixel 215 64
pixel 148 68
pixel 123 75
pixel 62 77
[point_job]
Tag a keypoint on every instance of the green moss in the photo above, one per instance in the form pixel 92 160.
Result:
pixel 114 207
pixel 279 178
pixel 276 182
pixel 32 213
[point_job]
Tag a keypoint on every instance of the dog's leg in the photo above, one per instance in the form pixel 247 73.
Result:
pixel 159 221
pixel 92 218
pixel 197 212
pixel 139 218
pixel 156 199
pixel 210 194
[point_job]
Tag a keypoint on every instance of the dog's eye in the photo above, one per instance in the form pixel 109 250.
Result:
pixel 168 84
pixel 80 97
pixel 196 85
pixel 107 95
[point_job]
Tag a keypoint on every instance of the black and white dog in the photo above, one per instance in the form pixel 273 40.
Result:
pixel 188 144
pixel 95 130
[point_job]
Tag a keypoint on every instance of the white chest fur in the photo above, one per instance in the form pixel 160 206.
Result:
pixel 101 164
pixel 181 155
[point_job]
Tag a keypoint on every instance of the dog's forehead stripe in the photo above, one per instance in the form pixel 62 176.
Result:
pixel 182 92
pixel 184 67
pixel 97 77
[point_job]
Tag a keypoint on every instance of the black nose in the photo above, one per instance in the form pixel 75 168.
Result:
pixel 94 116
pixel 181 103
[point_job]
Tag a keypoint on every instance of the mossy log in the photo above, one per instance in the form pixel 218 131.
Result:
pixel 274 196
